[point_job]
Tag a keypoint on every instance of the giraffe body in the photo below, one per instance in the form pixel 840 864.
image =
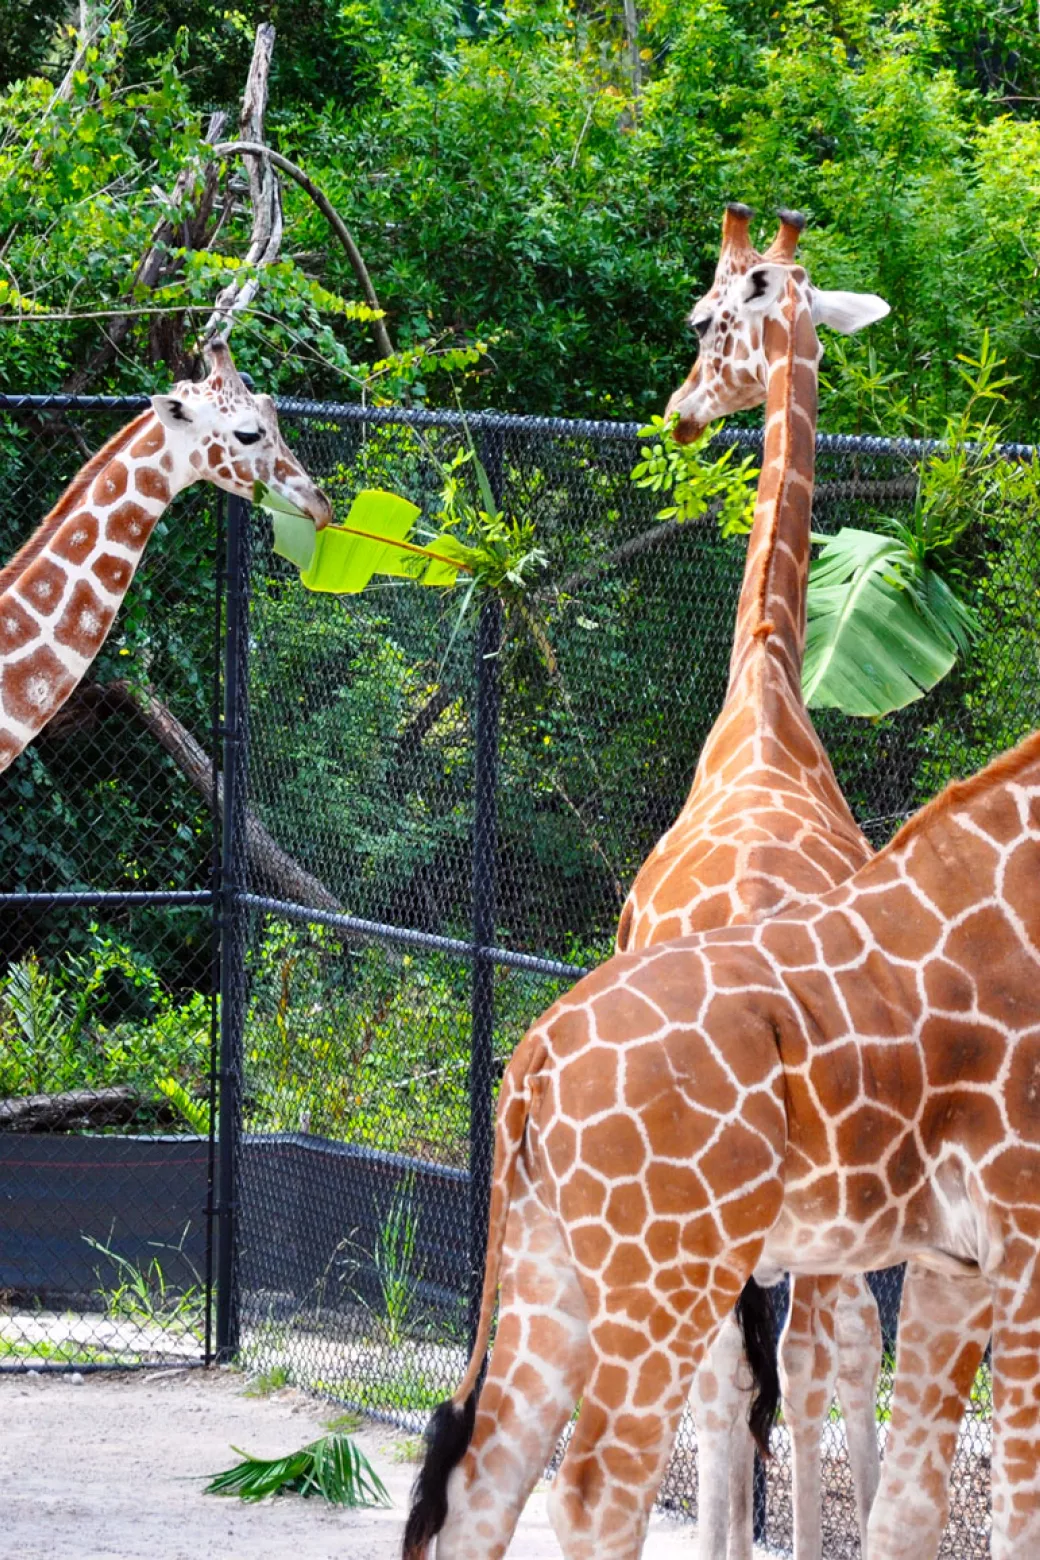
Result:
pixel 60 593
pixel 765 826
pixel 851 1084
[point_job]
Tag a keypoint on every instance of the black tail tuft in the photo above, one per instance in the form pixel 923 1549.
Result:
pixel 448 1434
pixel 755 1315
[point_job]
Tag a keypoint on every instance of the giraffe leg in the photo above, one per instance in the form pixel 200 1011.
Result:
pixel 602 1497
pixel 944 1325
pixel 857 1333
pixel 808 1372
pixel 537 1368
pixel 1016 1402
pixel 725 1450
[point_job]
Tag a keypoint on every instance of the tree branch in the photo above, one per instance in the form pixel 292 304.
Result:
pixel 154 264
pixel 331 215
pixel 271 864
pixel 264 193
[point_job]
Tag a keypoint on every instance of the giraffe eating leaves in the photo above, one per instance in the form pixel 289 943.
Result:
pixel 853 1083
pixel 765 825
pixel 61 591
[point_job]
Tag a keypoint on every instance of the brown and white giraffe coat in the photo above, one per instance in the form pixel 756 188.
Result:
pixel 764 826
pixel 60 593
pixel 851 1084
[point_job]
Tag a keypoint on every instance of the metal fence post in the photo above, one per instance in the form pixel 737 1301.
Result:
pixel 485 846
pixel 233 883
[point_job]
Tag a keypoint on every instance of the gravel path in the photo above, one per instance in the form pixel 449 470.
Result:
pixel 114 1466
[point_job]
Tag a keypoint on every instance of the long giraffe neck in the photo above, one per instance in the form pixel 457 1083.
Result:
pixel 60 593
pixel 772 599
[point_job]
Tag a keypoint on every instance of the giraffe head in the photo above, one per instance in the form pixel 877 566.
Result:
pixel 218 431
pixel 731 372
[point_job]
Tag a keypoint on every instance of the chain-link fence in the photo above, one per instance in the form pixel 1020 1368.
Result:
pixel 108 952
pixel 432 817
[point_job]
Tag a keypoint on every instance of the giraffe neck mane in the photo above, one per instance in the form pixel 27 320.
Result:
pixel 72 496
pixel 770 605
pixel 960 792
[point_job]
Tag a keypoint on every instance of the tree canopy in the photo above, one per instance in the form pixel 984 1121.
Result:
pixel 531 179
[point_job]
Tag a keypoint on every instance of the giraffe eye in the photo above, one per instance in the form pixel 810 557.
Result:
pixel 700 323
pixel 248 438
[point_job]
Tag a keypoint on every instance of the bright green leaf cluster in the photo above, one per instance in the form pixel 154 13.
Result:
pixel 698 485
pixel 333 1467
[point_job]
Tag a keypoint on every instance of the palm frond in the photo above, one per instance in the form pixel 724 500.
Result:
pixel 332 1467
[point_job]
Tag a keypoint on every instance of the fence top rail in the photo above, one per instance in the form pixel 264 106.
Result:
pixel 345 413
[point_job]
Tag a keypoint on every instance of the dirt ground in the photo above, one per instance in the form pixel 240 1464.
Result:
pixel 114 1466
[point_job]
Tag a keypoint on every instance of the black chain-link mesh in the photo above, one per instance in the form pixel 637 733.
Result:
pixel 107 954
pixel 370 976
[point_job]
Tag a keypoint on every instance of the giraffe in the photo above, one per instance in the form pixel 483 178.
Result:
pixel 850 1084
pixel 764 826
pixel 60 592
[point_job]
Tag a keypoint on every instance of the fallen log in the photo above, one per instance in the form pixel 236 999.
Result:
pixel 79 1109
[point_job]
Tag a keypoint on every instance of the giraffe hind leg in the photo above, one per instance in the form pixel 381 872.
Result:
pixel 725 1463
pixel 537 1368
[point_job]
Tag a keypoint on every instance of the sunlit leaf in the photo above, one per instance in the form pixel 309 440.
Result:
pixel 869 648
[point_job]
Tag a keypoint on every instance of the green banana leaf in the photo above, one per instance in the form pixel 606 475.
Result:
pixel 869 648
pixel 341 559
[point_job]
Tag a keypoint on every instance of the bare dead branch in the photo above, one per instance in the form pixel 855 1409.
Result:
pixel 272 865
pixel 264 192
pixel 335 221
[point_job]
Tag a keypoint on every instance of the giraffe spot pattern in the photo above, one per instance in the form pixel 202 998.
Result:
pixel 130 526
pixel 109 485
pixel 151 483
pixel 85 622
pixel 114 573
pixel 42 585
pixel 76 537
pixel 17 628
pixel 35 686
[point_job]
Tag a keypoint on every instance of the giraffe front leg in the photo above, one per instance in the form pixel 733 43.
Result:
pixel 808 1372
pixel 944 1326
pixel 535 1375
pixel 857 1333
pixel 725 1451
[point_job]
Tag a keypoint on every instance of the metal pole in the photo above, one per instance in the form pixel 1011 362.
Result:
pixel 485 847
pixel 233 882
pixel 219 564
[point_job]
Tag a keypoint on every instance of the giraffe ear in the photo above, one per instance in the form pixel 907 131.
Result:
pixel 171 410
pixel 847 311
pixel 763 285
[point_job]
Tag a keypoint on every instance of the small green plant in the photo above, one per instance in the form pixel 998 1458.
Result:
pixel 144 1296
pixel 332 1467
pixel 196 1112
pixel 268 1381
pixel 346 1423
pixel 394 1256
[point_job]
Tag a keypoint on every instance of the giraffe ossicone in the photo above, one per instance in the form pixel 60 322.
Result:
pixel 851 1084
pixel 60 593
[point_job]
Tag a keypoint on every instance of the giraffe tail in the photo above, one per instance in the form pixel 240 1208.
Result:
pixel 450 1429
pixel 755 1316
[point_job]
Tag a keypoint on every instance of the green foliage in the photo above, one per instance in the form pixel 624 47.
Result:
pixel 869 649
pixel 332 1467
pixel 100 1018
pixel 145 1297
pixel 723 486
